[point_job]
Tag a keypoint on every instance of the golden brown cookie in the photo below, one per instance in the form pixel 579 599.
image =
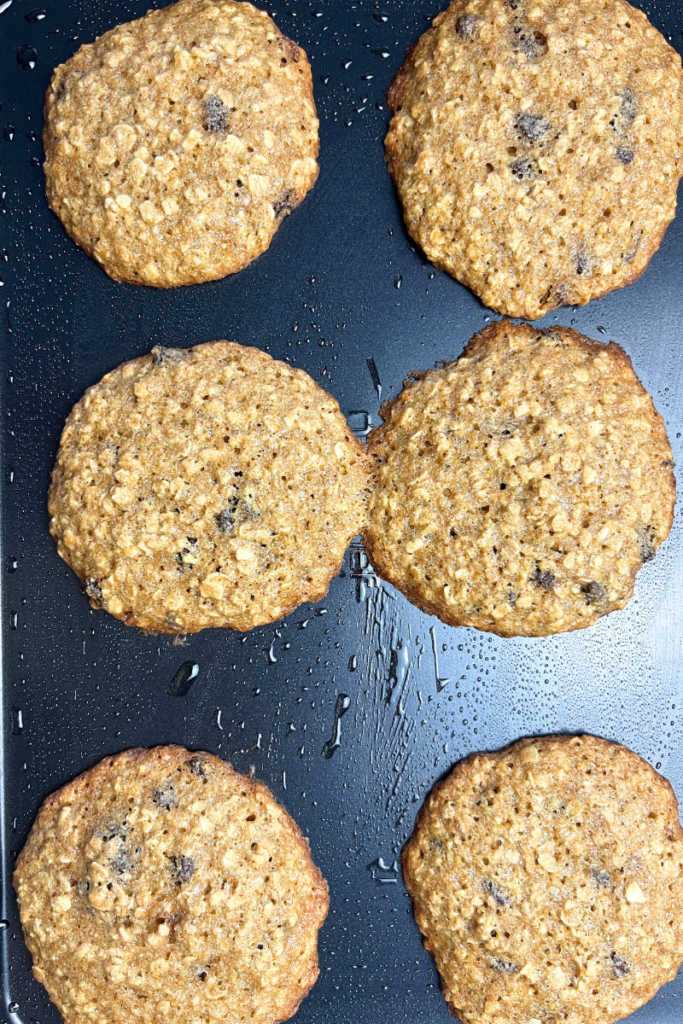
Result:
pixel 547 881
pixel 211 486
pixel 176 144
pixel 521 488
pixel 536 147
pixel 163 886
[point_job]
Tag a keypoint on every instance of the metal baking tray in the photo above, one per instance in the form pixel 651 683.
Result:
pixel 391 696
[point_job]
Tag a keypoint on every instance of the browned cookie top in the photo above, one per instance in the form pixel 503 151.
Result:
pixel 165 886
pixel 547 881
pixel 176 144
pixel 211 486
pixel 521 488
pixel 536 147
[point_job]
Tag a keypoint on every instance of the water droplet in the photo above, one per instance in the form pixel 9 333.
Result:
pixel 27 56
pixel 271 652
pixel 325 79
pixel 13 616
pixel 441 682
pixel 374 374
pixel 342 705
pixel 346 64
pixel 366 78
pixel 37 14
pixel 12 564
pixel 347 124
pixel 379 16
pixel 602 330
pixel 385 54
pixel 398 280
pixel 383 873
pixel 8 132
pixel 17 721
pixel 4 925
pixel 35 161
pixel 183 679
pixel 5 5
pixel 353 663
pixel 13 1007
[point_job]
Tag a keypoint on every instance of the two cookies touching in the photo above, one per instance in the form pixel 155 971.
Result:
pixel 518 490
pixel 546 879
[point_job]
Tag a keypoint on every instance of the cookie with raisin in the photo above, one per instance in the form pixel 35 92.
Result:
pixel 161 880
pixel 547 882
pixel 536 147
pixel 520 489
pixel 176 144
pixel 211 486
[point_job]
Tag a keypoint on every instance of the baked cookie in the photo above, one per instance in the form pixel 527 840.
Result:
pixel 165 886
pixel 547 881
pixel 211 486
pixel 521 488
pixel 175 144
pixel 536 147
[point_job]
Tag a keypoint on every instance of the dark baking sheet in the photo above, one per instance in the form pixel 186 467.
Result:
pixel 343 294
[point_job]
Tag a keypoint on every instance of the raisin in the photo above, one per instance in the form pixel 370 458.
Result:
pixel 506 966
pixel 225 520
pixel 292 49
pixel 165 795
pixel 619 965
pixel 594 593
pixel 550 332
pixel 284 205
pixel 533 127
pixel 183 868
pixel 584 265
pixel 625 156
pixel 646 543
pixel 215 114
pixel 525 168
pixel 532 44
pixel 94 591
pixel 192 548
pixel 468 26
pixel 627 112
pixel 602 877
pixel 512 596
pixel 167 356
pixel 502 898
pixel 436 844
pixel 200 767
pixel 545 580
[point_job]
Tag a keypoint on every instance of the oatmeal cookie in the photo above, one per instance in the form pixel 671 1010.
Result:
pixel 521 488
pixel 547 881
pixel 211 486
pixel 175 144
pixel 536 147
pixel 163 885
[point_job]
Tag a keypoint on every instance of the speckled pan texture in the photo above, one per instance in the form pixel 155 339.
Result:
pixel 211 486
pixel 536 147
pixel 521 488
pixel 165 886
pixel 547 881
pixel 175 144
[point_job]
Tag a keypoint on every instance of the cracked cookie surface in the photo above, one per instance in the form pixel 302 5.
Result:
pixel 520 489
pixel 163 885
pixel 536 147
pixel 211 486
pixel 176 144
pixel 547 881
